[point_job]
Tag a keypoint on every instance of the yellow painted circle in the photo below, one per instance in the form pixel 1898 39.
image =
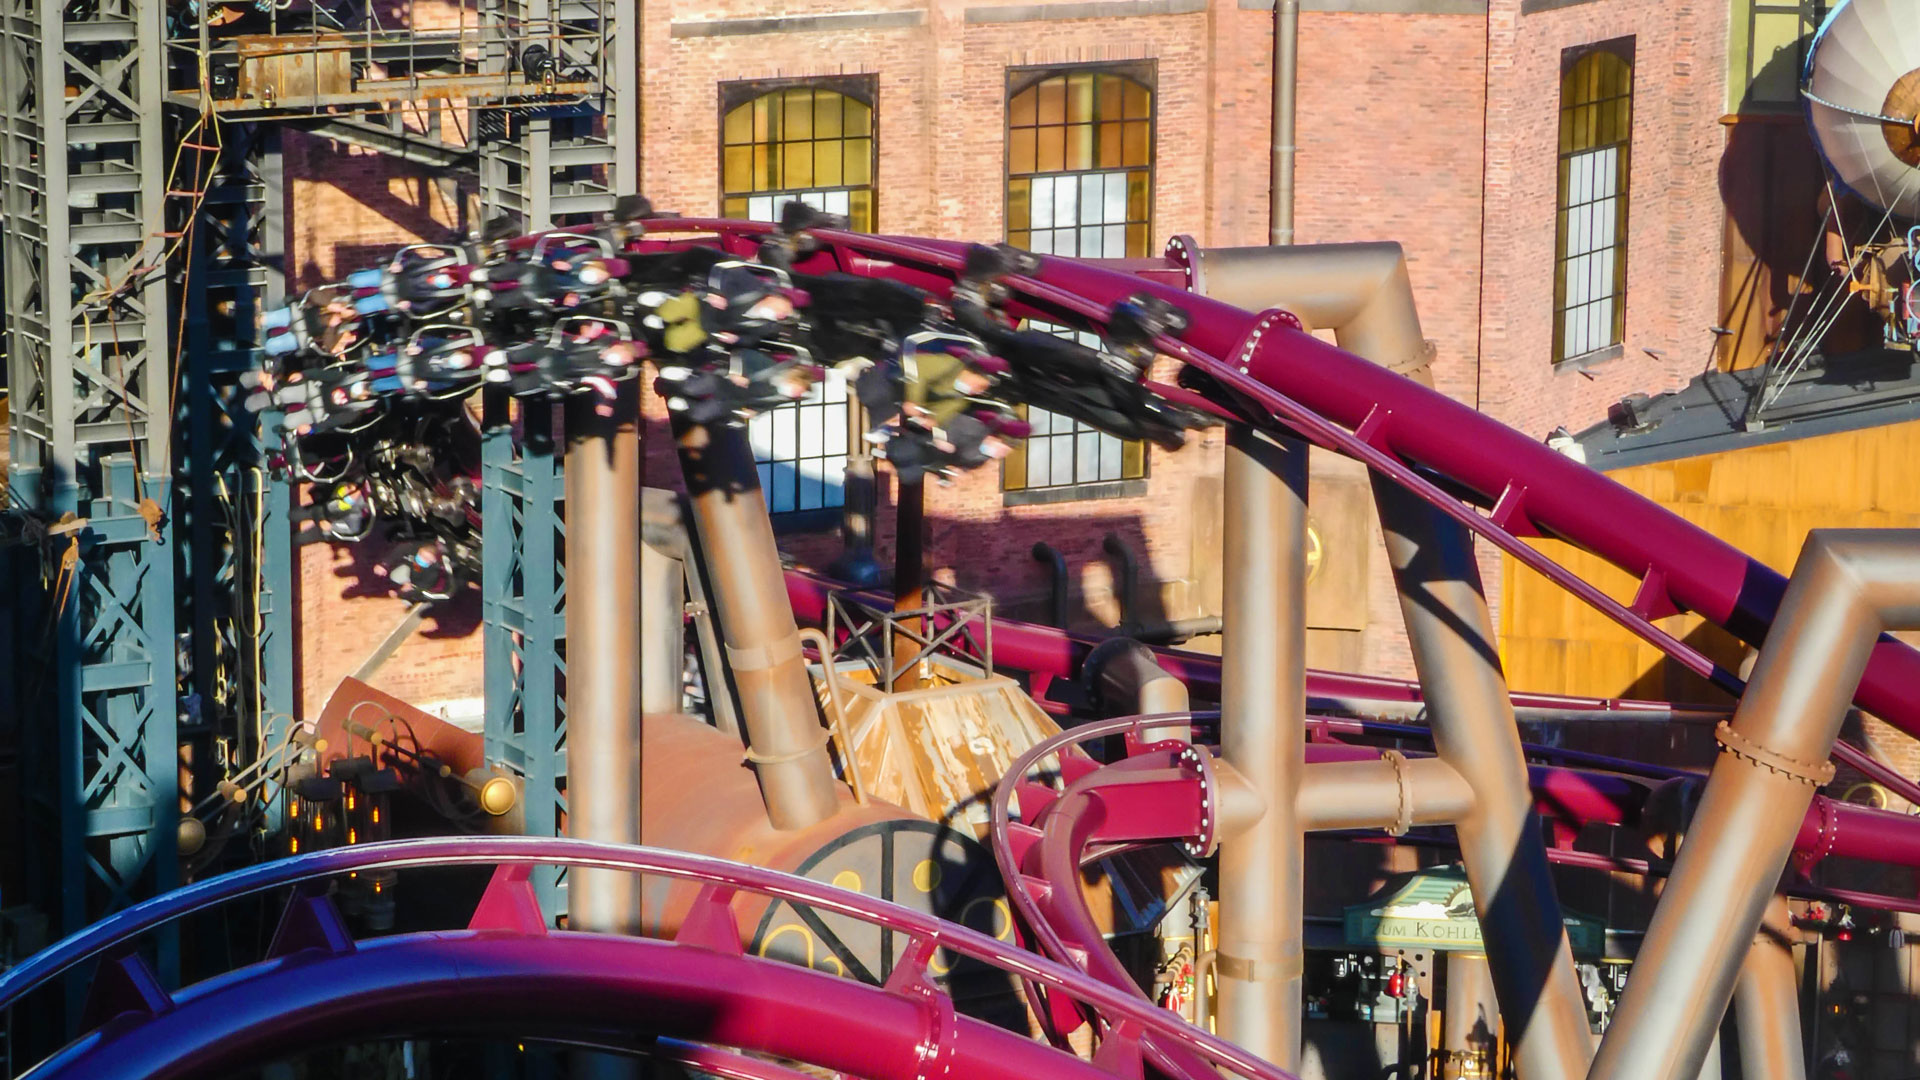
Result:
pixel 926 876
pixel 848 880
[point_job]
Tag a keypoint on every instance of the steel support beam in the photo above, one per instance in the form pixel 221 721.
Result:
pixel 787 744
pixel 523 581
pixel 604 664
pixel 1263 737
pixel 1847 588
pixel 1766 1002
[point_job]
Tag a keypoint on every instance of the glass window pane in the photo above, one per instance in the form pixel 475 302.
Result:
pixel 1041 216
pixel 1020 111
pixel 797 115
pixel 1092 197
pixel 1020 151
pixel 1080 97
pixel 1039 462
pixel 785 433
pixel 1137 241
pixel 1139 101
pixel 796 165
pixel 1110 145
pixel 736 208
pixel 833 420
pixel 859 162
pixel 1111 94
pixel 1019 209
pixel 762 167
pixel 1042 243
pixel 1066 209
pixel 1110 455
pixel 1113 209
pixel 1020 238
pixel 835 202
pixel 760 208
pixel 1062 471
pixel 1136 150
pixel 1086 456
pixel 1114 244
pixel 859 117
pixel 766 482
pixel 826 163
pixel 860 209
pixel 1053 100
pixel 1080 147
pixel 738 169
pixel 1137 197
pixel 1090 244
pixel 1052 148
pixel 827 114
pixel 739 125
pixel 763 118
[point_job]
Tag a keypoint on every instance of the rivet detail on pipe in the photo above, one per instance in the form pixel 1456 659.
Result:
pixel 1268 318
pixel 762 657
pixel 1404 819
pixel 1815 774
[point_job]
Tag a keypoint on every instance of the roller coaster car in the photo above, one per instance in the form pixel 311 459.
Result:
pixel 441 362
pixel 423 281
pixel 423 571
pixel 793 241
pixel 564 273
pixel 342 514
pixel 329 323
pixel 578 355
pixel 980 295
pixel 1135 322
pixel 319 402
pixel 849 317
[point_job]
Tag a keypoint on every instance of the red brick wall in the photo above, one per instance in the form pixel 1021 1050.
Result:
pixel 1434 130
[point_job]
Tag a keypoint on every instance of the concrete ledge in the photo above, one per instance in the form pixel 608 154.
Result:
pixel 1534 7
pixel 1382 7
pixel 1097 9
pixel 1109 489
pixel 793 24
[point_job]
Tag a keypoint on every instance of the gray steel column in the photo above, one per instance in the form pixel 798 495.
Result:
pixel 603 657
pixel 1452 637
pixel 1263 736
pixel 1847 588
pixel 788 746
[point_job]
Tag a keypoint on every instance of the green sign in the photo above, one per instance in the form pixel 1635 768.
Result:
pixel 1433 909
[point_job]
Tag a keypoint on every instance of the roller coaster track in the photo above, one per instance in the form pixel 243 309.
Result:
pixel 1165 792
pixel 1282 379
pixel 507 972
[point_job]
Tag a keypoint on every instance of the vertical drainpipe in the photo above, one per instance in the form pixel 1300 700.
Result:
pixel 1263 702
pixel 1847 588
pixel 1286 42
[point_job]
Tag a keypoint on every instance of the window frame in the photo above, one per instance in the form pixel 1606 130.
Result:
pixel 1624 49
pixel 863 88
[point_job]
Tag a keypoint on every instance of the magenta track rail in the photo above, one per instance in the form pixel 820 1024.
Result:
pixel 506 972
pixel 1164 793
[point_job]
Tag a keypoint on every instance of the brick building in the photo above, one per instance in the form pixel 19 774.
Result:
pixel 1551 166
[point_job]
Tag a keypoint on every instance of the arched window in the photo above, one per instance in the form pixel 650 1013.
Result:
pixel 1079 183
pixel 812 142
pixel 815 143
pixel 1080 164
pixel 1596 131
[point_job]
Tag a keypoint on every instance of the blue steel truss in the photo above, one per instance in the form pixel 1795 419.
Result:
pixel 523 600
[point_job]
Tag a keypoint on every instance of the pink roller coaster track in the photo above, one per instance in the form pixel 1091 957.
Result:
pixel 506 970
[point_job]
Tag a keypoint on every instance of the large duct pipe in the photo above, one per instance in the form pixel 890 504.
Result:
pixel 663 581
pixel 1766 1002
pixel 1848 587
pixel 604 656
pixel 1124 679
pixel 1363 293
pixel 786 742
pixel 1263 699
